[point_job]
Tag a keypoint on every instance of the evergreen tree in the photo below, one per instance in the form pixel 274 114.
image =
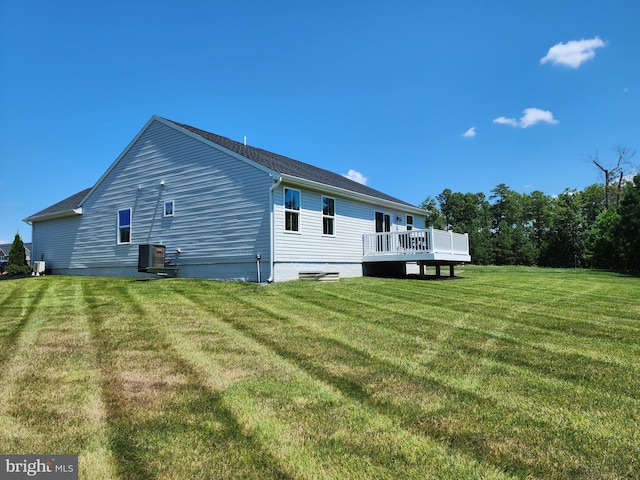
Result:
pixel 513 244
pixel 604 246
pixel 566 245
pixel 629 230
pixel 445 202
pixel 17 263
pixel 433 216
pixel 593 201
pixel 537 222
pixel 574 229
pixel 467 213
pixel 478 224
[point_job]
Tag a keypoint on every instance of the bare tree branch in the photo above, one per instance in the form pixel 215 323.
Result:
pixel 624 155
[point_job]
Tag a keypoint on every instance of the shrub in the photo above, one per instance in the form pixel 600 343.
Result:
pixel 17 263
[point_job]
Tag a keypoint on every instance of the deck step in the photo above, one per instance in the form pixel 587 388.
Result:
pixel 319 276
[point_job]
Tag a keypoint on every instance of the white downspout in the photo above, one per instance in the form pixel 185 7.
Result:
pixel 272 227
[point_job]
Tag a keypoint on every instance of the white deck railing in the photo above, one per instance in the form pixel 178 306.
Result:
pixel 416 242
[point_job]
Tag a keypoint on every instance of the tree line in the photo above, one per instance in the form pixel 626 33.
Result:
pixel 598 227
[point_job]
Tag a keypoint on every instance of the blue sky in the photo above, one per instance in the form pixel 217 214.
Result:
pixel 414 96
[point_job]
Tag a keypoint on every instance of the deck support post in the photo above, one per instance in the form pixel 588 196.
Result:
pixel 451 269
pixel 437 270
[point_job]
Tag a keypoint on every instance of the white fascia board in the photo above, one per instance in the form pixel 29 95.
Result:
pixel 376 201
pixel 52 216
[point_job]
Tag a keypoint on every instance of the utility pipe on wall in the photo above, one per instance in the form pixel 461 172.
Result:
pixel 258 265
pixel 272 226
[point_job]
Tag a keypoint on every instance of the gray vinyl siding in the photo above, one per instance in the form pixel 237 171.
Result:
pixel 221 221
pixel 221 218
pixel 309 245
pixel 54 241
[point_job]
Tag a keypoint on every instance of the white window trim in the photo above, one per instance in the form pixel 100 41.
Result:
pixel 120 226
pixel 298 211
pixel 333 217
pixel 173 208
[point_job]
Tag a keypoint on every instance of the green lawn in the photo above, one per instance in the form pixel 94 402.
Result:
pixel 504 373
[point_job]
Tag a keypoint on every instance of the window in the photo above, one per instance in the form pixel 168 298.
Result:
pixel 328 215
pixel 124 226
pixel 291 210
pixel 168 208
pixel 409 222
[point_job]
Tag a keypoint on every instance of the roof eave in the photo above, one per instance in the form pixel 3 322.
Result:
pixel 55 215
pixel 350 193
pixel 298 180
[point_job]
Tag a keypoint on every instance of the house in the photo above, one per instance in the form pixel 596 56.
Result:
pixel 221 209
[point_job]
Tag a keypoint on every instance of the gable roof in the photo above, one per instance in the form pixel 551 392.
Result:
pixel 279 164
pixel 290 167
pixel 5 247
pixel 67 207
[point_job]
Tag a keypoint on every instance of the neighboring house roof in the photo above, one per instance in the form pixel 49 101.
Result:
pixel 288 166
pixel 68 206
pixel 5 247
pixel 274 162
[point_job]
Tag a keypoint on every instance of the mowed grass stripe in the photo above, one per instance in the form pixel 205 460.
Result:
pixel 17 313
pixel 334 352
pixel 163 421
pixel 491 375
pixel 417 335
pixel 585 296
pixel 522 347
pixel 619 351
pixel 377 383
pixel 312 429
pixel 407 316
pixel 51 398
pixel 587 311
pixel 16 309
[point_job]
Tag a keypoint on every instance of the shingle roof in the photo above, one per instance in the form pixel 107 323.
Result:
pixel 5 247
pixel 273 161
pixel 289 166
pixel 67 204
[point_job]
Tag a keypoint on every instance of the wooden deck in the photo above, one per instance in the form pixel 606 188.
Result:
pixel 424 247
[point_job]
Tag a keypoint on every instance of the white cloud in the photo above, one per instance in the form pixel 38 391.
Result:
pixel 535 115
pixel 573 53
pixel 356 176
pixel 506 121
pixel 470 133
pixel 531 117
